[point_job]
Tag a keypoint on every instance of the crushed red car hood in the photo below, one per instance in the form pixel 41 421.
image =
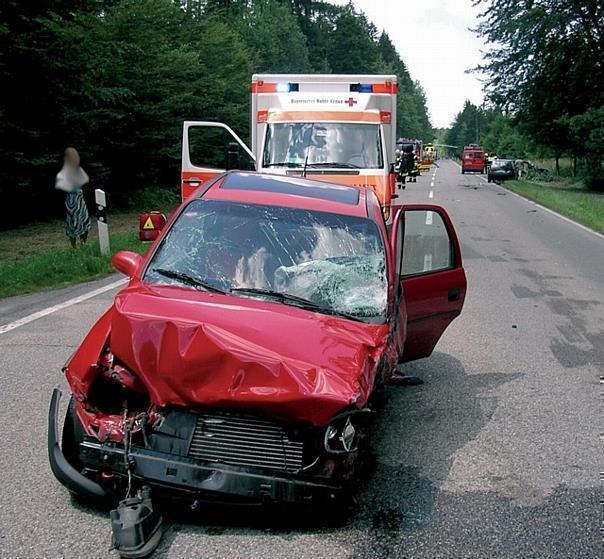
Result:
pixel 193 348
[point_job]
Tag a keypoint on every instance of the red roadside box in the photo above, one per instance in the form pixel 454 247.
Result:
pixel 150 224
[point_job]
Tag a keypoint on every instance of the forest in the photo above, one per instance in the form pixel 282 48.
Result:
pixel 116 78
pixel 544 77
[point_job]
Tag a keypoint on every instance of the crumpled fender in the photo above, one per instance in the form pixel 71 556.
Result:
pixel 81 369
pixel 197 349
pixel 194 348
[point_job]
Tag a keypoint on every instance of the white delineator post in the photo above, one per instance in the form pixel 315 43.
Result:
pixel 101 220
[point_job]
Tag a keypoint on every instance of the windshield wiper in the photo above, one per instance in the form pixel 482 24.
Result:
pixel 288 299
pixel 283 164
pixel 334 164
pixel 189 280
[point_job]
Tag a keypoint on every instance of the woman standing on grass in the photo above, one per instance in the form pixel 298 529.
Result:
pixel 70 180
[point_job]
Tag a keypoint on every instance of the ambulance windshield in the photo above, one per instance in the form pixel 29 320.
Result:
pixel 323 144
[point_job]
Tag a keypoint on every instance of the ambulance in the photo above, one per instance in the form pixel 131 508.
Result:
pixel 336 128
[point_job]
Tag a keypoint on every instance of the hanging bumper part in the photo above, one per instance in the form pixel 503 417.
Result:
pixel 136 526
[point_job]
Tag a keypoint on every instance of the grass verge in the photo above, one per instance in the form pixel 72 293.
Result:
pixel 570 199
pixel 38 256
pixel 63 267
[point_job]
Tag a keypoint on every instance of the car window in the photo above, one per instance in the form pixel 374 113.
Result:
pixel 336 261
pixel 426 243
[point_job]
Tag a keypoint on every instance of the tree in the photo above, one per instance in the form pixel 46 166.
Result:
pixel 116 78
pixel 546 65
pixel 502 137
pixel 587 130
pixel 273 35
pixel 469 126
pixel 352 49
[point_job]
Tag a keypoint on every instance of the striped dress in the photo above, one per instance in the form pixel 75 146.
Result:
pixel 77 220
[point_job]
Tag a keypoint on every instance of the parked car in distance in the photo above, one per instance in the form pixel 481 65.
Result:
pixel 239 362
pixel 501 170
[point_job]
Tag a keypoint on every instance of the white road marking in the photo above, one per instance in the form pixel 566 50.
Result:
pixel 431 195
pixel 427 262
pixel 428 218
pixel 65 304
pixel 567 219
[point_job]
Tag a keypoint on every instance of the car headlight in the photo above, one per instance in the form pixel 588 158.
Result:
pixel 340 437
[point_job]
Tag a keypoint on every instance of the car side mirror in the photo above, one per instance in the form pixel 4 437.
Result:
pixel 232 156
pixel 127 262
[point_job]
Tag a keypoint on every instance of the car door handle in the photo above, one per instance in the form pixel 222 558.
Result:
pixel 454 294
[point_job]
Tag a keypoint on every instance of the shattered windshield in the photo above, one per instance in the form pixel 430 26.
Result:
pixel 337 262
pixel 325 144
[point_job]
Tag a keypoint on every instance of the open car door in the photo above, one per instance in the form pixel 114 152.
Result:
pixel 429 270
pixel 208 149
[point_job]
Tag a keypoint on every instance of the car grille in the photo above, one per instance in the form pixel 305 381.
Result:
pixel 244 440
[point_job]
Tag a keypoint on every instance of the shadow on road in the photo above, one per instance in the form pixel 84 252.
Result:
pixel 415 436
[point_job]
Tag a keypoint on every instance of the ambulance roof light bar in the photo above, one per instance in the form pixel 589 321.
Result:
pixel 268 87
pixel 361 88
pixel 388 87
pixel 261 86
pixel 287 87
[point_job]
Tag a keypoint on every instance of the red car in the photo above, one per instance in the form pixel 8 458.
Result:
pixel 473 159
pixel 239 362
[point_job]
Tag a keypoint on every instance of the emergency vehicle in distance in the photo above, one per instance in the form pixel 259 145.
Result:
pixel 473 159
pixel 428 157
pixel 408 156
pixel 336 128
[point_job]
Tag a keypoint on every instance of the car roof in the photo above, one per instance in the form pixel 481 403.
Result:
pixel 295 192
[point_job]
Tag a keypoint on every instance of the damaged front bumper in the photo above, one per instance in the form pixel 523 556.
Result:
pixel 209 481
pixel 60 466
pixel 180 476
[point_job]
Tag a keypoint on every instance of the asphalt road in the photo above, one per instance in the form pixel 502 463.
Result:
pixel 496 455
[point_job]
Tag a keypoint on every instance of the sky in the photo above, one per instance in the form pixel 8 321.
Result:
pixel 433 39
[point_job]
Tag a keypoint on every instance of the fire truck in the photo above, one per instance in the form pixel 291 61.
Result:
pixel 336 128
pixel 473 159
